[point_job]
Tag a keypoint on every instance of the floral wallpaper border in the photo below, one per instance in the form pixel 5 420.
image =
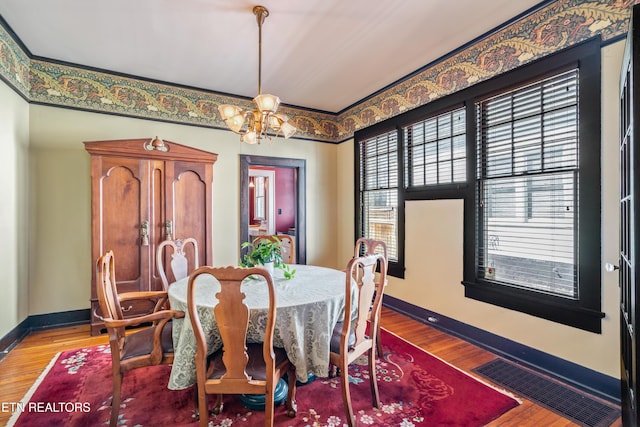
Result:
pixel 555 26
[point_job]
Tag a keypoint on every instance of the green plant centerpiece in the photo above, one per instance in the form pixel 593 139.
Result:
pixel 261 252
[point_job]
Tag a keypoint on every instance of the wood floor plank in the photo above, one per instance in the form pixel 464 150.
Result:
pixel 24 364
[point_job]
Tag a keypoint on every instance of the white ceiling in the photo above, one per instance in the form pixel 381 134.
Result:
pixel 321 54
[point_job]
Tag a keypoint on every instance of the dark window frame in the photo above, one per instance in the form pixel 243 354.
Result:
pixel 410 146
pixel 395 267
pixel 583 312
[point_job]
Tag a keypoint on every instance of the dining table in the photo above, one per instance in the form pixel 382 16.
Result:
pixel 308 306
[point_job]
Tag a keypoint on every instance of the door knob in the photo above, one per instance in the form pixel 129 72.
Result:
pixel 611 267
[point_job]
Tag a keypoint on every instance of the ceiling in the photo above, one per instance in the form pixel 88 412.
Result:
pixel 320 54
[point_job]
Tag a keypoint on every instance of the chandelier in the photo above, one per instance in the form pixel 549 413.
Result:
pixel 265 120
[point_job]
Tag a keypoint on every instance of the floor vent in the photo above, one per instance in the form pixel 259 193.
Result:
pixel 553 395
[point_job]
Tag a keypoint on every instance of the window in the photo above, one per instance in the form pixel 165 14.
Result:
pixel 523 152
pixel 378 191
pixel 259 198
pixel 527 178
pixel 536 201
pixel 435 150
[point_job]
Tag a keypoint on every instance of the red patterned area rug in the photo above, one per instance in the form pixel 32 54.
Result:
pixel 416 388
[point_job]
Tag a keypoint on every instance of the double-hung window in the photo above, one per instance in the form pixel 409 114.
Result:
pixel 527 183
pixel 536 201
pixel 378 192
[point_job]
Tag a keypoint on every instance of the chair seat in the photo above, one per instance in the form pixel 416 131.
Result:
pixel 255 367
pixel 141 343
pixel 335 338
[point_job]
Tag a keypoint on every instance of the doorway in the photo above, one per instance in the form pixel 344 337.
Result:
pixel 250 170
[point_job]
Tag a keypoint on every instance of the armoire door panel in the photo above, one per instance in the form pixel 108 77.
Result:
pixel 189 204
pixel 122 212
pixel 188 209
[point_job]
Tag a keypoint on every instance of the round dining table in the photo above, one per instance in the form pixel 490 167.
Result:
pixel 307 309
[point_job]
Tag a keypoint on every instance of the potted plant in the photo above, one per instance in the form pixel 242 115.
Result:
pixel 266 253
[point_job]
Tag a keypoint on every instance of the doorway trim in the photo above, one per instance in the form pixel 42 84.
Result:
pixel 300 165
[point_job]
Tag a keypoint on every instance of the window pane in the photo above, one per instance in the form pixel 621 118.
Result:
pixel 459 170
pixel 431 152
pixel 529 232
pixel 444 126
pixel 444 172
pixel 431 130
pixel 459 122
pixel 431 173
pixel 444 150
pixel 380 208
pixel 418 175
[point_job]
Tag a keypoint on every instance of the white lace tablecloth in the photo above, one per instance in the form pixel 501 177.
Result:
pixel 307 309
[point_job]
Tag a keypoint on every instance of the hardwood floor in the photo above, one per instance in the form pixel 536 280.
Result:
pixel 22 366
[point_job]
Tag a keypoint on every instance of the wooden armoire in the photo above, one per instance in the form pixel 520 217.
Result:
pixel 144 191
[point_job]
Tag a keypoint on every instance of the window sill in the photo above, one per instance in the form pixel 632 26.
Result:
pixel 556 309
pixel 395 270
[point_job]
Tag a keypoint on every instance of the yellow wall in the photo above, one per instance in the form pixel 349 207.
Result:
pixel 345 202
pixel 60 244
pixel 14 141
pixel 434 255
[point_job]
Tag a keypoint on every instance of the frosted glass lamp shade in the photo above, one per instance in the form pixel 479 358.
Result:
pixel 287 129
pixel 249 137
pixel 267 103
pixel 275 121
pixel 227 111
pixel 235 123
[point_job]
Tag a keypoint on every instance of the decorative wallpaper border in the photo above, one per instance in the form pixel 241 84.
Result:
pixel 555 26
pixel 14 63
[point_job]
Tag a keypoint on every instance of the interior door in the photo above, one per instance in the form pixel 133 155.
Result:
pixel 628 219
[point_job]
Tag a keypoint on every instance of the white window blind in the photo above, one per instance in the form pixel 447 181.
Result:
pixel 379 190
pixel 527 180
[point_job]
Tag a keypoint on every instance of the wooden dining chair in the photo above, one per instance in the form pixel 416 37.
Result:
pixel 181 259
pixel 145 347
pixel 365 246
pixel 350 340
pixel 287 246
pixel 238 367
